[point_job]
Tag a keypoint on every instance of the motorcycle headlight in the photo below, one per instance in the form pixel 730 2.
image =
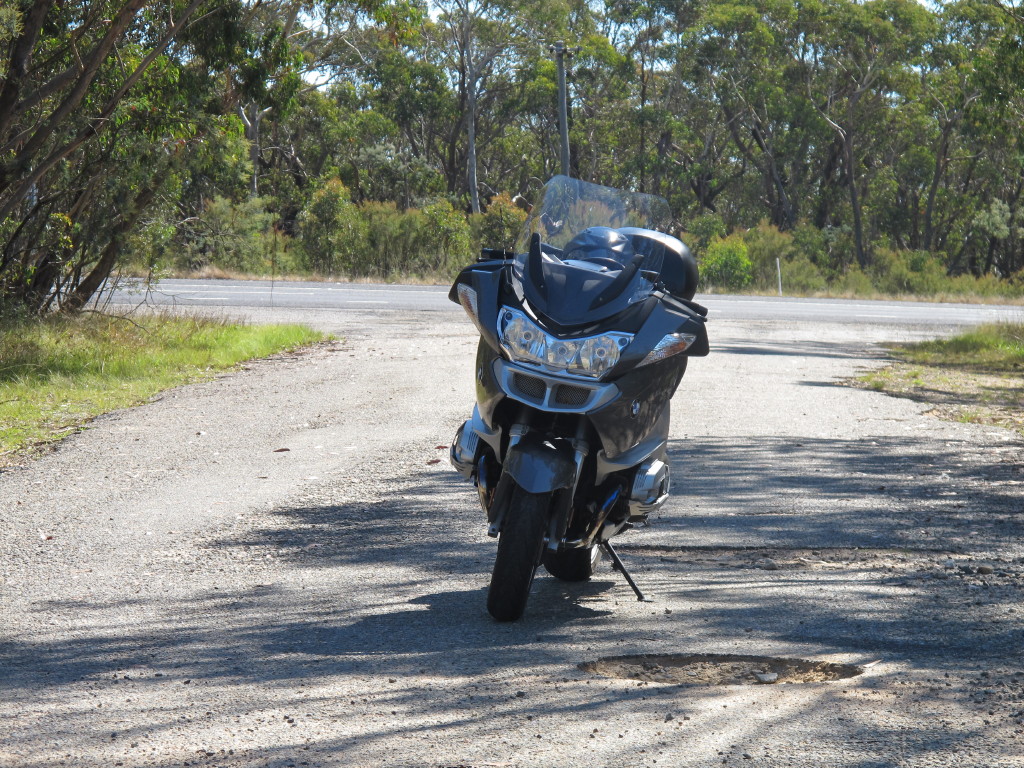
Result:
pixel 600 353
pixel 526 342
pixel 561 354
pixel 522 339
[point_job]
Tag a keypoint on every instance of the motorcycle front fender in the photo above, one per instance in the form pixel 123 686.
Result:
pixel 538 466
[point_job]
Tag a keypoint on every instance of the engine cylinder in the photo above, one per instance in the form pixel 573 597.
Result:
pixel 651 485
pixel 463 450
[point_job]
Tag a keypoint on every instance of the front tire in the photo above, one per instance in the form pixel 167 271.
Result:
pixel 573 564
pixel 519 551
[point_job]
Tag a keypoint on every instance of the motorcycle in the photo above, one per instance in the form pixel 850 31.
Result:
pixel 585 332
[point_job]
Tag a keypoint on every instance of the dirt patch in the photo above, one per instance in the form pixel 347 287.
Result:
pixel 955 395
pixel 719 669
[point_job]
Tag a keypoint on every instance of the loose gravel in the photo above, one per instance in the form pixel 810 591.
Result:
pixel 278 568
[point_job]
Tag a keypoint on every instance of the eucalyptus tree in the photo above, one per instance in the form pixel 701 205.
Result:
pixel 477 42
pixel 865 52
pixel 410 87
pixel 79 80
pixel 999 115
pixel 756 58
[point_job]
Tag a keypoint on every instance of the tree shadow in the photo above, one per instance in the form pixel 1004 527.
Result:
pixel 803 348
pixel 831 492
pixel 396 599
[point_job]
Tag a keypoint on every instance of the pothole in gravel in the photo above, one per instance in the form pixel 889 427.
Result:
pixel 719 669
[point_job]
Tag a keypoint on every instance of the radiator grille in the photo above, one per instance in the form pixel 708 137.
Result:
pixel 528 386
pixel 571 396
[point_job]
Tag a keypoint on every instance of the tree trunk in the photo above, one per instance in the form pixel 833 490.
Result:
pixel 858 226
pixel 252 135
pixel 85 290
pixel 474 192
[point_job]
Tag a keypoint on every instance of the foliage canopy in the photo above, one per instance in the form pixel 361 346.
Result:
pixel 879 141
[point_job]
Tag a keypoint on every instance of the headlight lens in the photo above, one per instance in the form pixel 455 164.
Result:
pixel 525 341
pixel 522 339
pixel 561 354
pixel 600 353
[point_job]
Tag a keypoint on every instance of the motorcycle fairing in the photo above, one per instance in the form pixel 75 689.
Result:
pixel 488 279
pixel 573 292
pixel 644 397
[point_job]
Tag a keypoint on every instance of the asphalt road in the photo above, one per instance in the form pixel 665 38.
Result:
pixel 277 568
pixel 357 296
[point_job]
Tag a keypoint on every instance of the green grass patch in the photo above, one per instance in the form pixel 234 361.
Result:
pixel 59 372
pixel 974 378
pixel 997 348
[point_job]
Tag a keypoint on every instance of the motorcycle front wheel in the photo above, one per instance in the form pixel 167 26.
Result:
pixel 572 564
pixel 519 550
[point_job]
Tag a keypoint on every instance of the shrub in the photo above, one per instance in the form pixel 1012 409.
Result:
pixel 391 239
pixel 726 264
pixel 702 230
pixel 333 231
pixel 986 286
pixel 813 244
pixel 917 272
pixel 444 241
pixel 801 275
pixel 765 243
pixel 229 235
pixel 432 241
pixel 890 272
pixel 927 273
pixel 854 282
pixel 500 224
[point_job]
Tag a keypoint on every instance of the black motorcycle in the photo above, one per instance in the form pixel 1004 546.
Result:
pixel 584 337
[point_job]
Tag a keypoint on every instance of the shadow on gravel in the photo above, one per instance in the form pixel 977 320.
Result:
pixel 832 350
pixel 848 546
pixel 390 606
pixel 903 491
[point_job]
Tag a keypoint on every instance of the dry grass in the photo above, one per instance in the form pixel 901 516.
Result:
pixel 976 377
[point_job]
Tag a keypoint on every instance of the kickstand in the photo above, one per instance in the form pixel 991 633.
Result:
pixel 617 565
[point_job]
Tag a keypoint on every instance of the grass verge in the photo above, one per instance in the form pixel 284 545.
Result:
pixel 59 372
pixel 976 377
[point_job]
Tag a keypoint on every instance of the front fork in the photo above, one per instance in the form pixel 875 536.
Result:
pixel 551 474
pixel 562 514
pixel 563 480
pixel 538 466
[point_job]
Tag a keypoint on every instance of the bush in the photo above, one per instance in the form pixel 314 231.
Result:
pixel 801 275
pixel 332 230
pixel 765 243
pixel 927 273
pixel 702 230
pixel 432 241
pixel 230 235
pixel 391 239
pixel 916 272
pixel 444 241
pixel 854 282
pixel 986 286
pixel 726 264
pixel 500 224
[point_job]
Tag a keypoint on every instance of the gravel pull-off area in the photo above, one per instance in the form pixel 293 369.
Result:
pixel 278 568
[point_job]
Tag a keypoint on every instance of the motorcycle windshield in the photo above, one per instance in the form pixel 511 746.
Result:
pixel 572 290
